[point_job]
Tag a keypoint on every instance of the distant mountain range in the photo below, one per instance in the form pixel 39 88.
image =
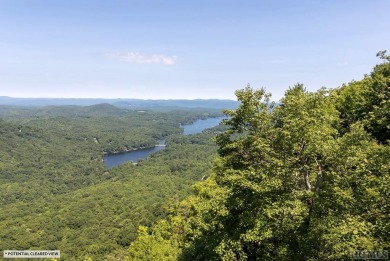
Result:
pixel 123 103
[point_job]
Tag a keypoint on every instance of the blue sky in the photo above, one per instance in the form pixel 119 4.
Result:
pixel 185 49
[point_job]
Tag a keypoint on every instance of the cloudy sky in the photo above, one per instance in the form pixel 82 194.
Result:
pixel 185 49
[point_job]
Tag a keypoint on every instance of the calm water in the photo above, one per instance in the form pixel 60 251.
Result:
pixel 200 125
pixel 112 160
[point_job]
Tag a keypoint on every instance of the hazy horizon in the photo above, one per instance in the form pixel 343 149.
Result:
pixel 102 98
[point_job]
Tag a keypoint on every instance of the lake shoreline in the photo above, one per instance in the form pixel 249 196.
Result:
pixel 112 159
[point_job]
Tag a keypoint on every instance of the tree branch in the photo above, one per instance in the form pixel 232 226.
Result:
pixel 306 177
pixel 319 175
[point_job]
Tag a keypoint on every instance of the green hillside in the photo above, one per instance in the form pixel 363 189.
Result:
pixel 55 192
pixel 100 218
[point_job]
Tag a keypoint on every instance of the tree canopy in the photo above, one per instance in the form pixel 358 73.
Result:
pixel 306 179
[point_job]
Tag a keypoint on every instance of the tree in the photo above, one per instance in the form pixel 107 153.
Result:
pixel 282 172
pixel 368 101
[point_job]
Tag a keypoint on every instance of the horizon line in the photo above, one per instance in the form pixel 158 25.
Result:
pixel 99 98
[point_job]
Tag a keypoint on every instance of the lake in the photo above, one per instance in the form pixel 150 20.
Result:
pixel 200 125
pixel 112 160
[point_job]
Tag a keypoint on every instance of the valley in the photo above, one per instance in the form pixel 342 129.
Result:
pixel 55 191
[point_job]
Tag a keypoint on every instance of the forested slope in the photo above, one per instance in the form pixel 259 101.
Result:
pixel 37 163
pixel 114 129
pixel 57 154
pixel 305 180
pixel 98 219
pixel 56 193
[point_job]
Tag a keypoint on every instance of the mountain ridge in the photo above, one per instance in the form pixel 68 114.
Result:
pixel 121 102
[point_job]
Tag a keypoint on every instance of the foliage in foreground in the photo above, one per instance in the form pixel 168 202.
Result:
pixel 305 180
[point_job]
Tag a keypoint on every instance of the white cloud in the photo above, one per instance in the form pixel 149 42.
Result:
pixel 133 57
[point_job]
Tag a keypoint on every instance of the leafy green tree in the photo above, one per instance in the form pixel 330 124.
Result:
pixel 368 101
pixel 283 171
pixel 154 247
pixel 303 180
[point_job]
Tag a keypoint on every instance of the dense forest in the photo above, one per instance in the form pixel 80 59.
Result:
pixel 306 178
pixel 55 192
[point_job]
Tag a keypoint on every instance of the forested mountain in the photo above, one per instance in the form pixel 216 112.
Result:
pixel 37 163
pixel 55 192
pixel 58 154
pixel 101 219
pixel 305 180
pixel 114 129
